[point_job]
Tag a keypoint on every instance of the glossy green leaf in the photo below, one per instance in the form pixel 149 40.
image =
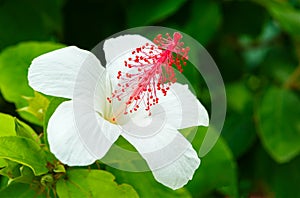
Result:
pixel 146 12
pixel 14 63
pixel 92 183
pixel 20 190
pixel 143 182
pixel 24 151
pixel 22 20
pixel 217 170
pixel 279 124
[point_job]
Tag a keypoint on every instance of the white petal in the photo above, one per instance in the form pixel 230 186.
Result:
pixel 169 155
pixel 79 136
pixel 181 108
pixel 178 173
pixel 115 47
pixel 119 49
pixel 55 73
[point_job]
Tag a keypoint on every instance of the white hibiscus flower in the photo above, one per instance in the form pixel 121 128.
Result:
pixel 140 101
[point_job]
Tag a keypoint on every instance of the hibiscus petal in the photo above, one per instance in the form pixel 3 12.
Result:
pixel 179 172
pixel 119 49
pixel 115 47
pixel 55 73
pixel 79 136
pixel 169 155
pixel 180 108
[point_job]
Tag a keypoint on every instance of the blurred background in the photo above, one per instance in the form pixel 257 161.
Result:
pixel 256 45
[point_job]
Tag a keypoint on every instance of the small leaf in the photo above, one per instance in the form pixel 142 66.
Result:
pixel 47 180
pixel 26 176
pixel 279 124
pixel 37 106
pixel 24 151
pixel 92 183
pixel 24 130
pixel 14 63
pixel 59 169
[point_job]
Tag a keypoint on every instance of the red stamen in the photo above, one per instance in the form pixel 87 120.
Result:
pixel 152 71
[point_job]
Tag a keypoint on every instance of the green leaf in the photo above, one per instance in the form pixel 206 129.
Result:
pixel 279 124
pixel 7 125
pixel 24 130
pixel 92 183
pixel 146 186
pixel 17 173
pixel 20 190
pixel 146 12
pixel 37 106
pixel 210 176
pixel 14 63
pixel 205 19
pixel 285 14
pixel 238 96
pixel 11 170
pixel 24 151
pixel 29 20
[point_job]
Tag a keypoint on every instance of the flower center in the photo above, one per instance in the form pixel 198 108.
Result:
pixel 149 71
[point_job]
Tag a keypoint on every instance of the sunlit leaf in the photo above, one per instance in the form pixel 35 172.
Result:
pixel 7 125
pixel 279 124
pixel 92 183
pixel 14 63
pixel 146 186
pixel 24 130
pixel 24 151
pixel 37 106
pixel 17 173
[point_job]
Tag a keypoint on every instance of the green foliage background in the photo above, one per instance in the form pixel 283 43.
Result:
pixel 256 45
